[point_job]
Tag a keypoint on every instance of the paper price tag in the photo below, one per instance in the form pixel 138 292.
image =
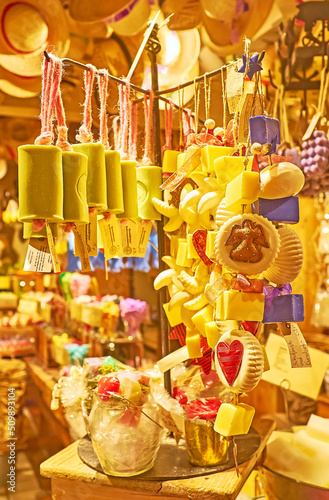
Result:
pixel 56 264
pixel 81 247
pixel 298 350
pixel 169 423
pixel 91 235
pixel 128 238
pixel 38 258
pixel 144 229
pixel 173 359
pixel 111 236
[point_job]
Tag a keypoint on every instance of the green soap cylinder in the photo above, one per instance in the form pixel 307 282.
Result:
pixel 114 182
pixel 129 189
pixel 29 233
pixel 96 179
pixel 149 180
pixel 40 183
pixel 75 170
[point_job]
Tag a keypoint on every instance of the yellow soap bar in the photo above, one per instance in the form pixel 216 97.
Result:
pixel 174 315
pixel 169 162
pixel 242 190
pixel 241 306
pixel 174 241
pixel 193 344
pixel 205 315
pixel 233 420
pixel 209 155
pixel 228 168
pixel 212 333
pixel 181 259
pixel 180 159
pixel 210 245
pixel 191 252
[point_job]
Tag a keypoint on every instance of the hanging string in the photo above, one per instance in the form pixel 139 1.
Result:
pixel 103 83
pixel 192 121
pixel 133 131
pixel 187 125
pixel 124 98
pixel 116 132
pixel 207 92
pixel 247 44
pixel 148 112
pixel 62 129
pixel 196 104
pixel 180 104
pixel 168 125
pixel 84 135
pixel 224 89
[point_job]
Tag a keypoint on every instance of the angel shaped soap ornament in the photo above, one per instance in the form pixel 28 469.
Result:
pixel 247 244
pixel 239 360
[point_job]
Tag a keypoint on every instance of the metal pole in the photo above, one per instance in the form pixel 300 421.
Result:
pixel 153 47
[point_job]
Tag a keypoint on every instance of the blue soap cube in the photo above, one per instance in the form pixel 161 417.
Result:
pixel 265 130
pixel 285 309
pixel 285 210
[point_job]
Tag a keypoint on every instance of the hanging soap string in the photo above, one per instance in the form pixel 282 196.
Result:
pixel 181 112
pixel 85 136
pixel 196 104
pixel 187 125
pixel 247 44
pixel 62 128
pixel 51 78
pixel 168 124
pixel 116 132
pixel 133 131
pixel 207 92
pixel 103 83
pixel 148 112
pixel 124 97
pixel 224 96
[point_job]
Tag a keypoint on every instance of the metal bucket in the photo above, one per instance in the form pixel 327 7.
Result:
pixel 279 487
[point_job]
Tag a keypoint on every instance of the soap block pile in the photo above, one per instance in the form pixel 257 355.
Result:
pixel 303 454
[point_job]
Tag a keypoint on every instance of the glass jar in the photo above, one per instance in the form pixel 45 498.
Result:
pixel 204 445
pixel 124 439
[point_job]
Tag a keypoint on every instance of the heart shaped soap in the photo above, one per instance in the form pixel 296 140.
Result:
pixel 229 358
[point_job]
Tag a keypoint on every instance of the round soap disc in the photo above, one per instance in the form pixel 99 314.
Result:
pixel 281 180
pixel 247 244
pixel 239 360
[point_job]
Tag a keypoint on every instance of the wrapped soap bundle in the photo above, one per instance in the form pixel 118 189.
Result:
pixel 124 424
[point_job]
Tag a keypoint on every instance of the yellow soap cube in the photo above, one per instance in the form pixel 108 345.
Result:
pixel 191 252
pixel 209 155
pixel 241 306
pixel 213 334
pixel 193 344
pixel 233 420
pixel 210 245
pixel 205 315
pixel 174 315
pixel 169 162
pixel 181 259
pixel 180 159
pixel 174 240
pixel 228 168
pixel 242 190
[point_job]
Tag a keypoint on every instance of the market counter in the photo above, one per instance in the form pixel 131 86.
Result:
pixel 72 479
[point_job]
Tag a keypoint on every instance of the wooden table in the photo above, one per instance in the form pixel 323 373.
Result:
pixel 72 479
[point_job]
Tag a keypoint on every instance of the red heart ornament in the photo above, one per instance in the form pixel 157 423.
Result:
pixel 229 358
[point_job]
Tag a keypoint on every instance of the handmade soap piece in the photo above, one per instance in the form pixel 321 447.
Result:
pixel 169 162
pixel 191 251
pixel 114 182
pixel 242 190
pixel 285 309
pixel 233 420
pixel 129 187
pixel 213 333
pixel 247 244
pixel 210 245
pixel 281 180
pixel 29 233
pixel 240 306
pixel 40 183
pixel 182 259
pixel 193 343
pixel 285 210
pixel 96 179
pixel 202 317
pixel 174 315
pixel 239 360
pixel 265 130
pixel 149 180
pixel 75 170
pixel 210 153
pixel 229 167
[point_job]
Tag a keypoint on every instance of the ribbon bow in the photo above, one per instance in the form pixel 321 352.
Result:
pixel 230 281
pixel 274 291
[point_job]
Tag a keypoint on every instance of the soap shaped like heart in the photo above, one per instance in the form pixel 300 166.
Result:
pixel 229 358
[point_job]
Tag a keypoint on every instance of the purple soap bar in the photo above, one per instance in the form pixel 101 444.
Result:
pixel 265 130
pixel 285 309
pixel 284 210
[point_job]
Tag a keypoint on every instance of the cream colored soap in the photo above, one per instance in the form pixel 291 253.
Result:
pixel 233 420
pixel 210 154
pixel 182 259
pixel 174 315
pixel 191 251
pixel 169 162
pixel 228 168
pixel 242 190
pixel 205 315
pixel 210 245
pixel 212 333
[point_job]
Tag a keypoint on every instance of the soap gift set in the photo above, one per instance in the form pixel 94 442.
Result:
pixel 64 183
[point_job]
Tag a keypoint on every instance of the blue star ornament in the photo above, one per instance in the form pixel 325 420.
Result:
pixel 254 67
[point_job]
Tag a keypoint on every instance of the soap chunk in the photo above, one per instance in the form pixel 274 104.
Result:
pixel 149 180
pixel 244 189
pixel 129 188
pixel 169 162
pixel 193 343
pixel 285 309
pixel 265 130
pixel 114 182
pixel 174 241
pixel 191 251
pixel 228 168
pixel 233 420
pixel 75 171
pixel 212 333
pixel 174 315
pixel 210 244
pixel 210 153
pixel 318 428
pixel 182 259
pixel 285 210
pixel 205 315
pixel 241 306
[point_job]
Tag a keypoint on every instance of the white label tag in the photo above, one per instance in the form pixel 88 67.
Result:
pixel 38 258
pixel 111 236
pixel 56 263
pixel 173 359
pixel 143 235
pixel 128 238
pixel 298 350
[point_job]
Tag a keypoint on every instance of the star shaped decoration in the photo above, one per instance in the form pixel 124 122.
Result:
pixel 254 67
